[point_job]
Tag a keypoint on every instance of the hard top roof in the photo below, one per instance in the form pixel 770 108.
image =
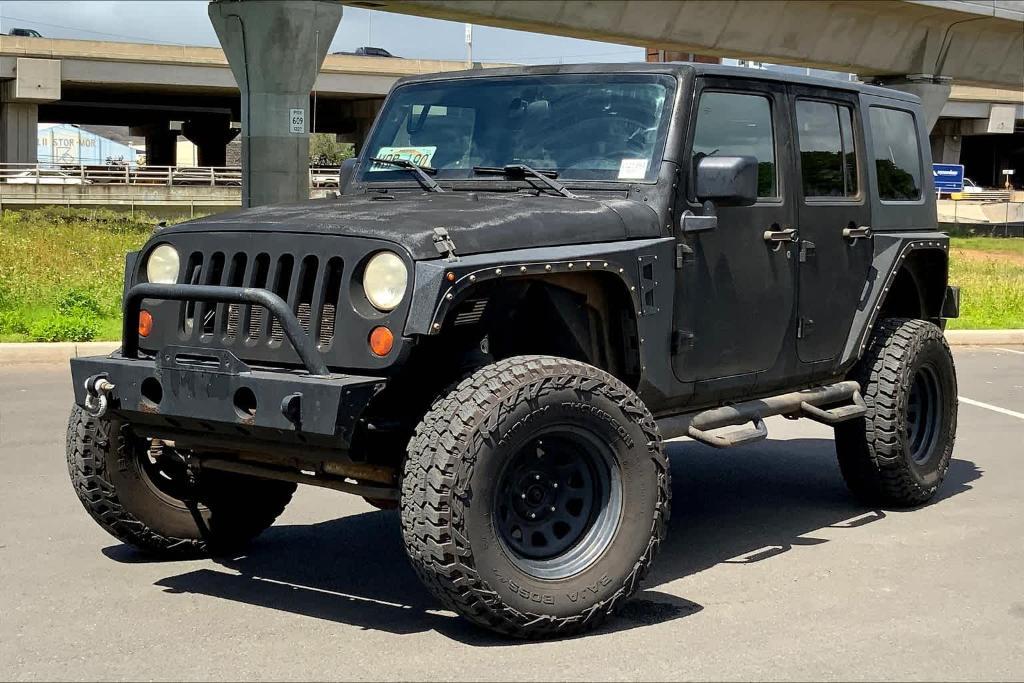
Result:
pixel 672 68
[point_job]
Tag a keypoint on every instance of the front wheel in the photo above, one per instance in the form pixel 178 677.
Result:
pixel 535 496
pixel 140 493
pixel 898 453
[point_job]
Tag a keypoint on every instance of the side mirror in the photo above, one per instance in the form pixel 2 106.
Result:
pixel 728 181
pixel 348 166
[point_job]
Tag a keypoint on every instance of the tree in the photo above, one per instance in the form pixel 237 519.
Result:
pixel 325 150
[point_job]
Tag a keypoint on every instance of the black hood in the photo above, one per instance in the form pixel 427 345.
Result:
pixel 477 222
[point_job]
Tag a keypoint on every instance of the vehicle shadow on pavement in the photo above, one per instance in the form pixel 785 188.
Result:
pixel 747 505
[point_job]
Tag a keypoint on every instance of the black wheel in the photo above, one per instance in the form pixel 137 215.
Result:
pixel 898 453
pixel 140 493
pixel 535 496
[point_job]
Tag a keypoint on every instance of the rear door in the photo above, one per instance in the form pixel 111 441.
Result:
pixel 835 247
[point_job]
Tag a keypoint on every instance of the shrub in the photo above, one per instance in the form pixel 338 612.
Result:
pixel 78 300
pixel 57 327
pixel 13 322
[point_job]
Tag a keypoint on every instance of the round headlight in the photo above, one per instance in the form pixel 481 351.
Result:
pixel 384 280
pixel 162 265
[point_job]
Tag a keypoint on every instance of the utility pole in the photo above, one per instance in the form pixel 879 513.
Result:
pixel 469 46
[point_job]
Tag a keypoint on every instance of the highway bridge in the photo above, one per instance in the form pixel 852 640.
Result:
pixel 276 50
pixel 161 91
pixel 977 42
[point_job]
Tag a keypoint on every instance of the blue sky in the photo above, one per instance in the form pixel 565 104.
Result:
pixel 185 22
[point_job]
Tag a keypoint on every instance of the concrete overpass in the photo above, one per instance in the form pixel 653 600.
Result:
pixel 148 86
pixel 276 48
pixel 969 41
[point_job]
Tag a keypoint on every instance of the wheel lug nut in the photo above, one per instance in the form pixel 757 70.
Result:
pixel 555 485
pixel 533 515
pixel 552 508
pixel 523 496
pixel 537 477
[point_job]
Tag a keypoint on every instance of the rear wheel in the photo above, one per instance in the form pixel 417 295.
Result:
pixel 898 453
pixel 535 496
pixel 140 492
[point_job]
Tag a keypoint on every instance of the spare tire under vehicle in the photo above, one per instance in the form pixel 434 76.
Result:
pixel 535 496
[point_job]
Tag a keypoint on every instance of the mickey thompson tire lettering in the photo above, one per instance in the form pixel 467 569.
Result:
pixel 104 464
pixel 449 490
pixel 876 452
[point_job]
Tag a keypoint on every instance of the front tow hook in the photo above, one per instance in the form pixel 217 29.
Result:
pixel 97 394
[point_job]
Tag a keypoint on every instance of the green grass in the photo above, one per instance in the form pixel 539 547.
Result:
pixel 991 245
pixel 990 274
pixel 61 272
pixel 61 275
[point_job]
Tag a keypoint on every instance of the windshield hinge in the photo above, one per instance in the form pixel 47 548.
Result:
pixel 444 244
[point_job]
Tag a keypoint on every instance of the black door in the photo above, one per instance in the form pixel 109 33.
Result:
pixel 736 299
pixel 835 248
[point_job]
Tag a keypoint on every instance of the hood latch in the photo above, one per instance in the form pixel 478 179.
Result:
pixel 444 244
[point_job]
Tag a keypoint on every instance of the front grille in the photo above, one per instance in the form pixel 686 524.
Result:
pixel 309 284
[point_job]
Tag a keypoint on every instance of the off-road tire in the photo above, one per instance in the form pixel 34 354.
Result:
pixel 448 490
pixel 874 451
pixel 104 463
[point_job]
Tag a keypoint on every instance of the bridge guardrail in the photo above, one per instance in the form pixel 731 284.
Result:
pixel 107 174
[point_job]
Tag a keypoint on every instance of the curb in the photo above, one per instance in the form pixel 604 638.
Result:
pixel 57 352
pixel 985 337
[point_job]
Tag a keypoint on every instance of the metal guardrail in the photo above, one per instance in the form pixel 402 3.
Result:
pixel 113 174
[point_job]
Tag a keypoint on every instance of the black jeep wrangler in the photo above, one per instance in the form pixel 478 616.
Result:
pixel 530 278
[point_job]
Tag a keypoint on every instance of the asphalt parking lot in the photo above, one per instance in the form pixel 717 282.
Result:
pixel 771 571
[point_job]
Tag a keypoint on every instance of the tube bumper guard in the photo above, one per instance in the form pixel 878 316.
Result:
pixel 208 390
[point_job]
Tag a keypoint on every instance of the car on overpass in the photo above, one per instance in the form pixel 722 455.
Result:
pixel 530 279
pixel 25 33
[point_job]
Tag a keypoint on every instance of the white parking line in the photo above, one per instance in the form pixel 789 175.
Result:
pixel 999 348
pixel 988 406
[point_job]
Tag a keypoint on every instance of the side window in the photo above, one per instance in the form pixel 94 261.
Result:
pixel 897 155
pixel 734 124
pixel 828 158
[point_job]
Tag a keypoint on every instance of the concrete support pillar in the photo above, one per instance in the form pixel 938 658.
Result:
pixel 211 137
pixel 275 49
pixel 355 125
pixel 933 91
pixel 35 81
pixel 946 149
pixel 161 143
pixel 19 125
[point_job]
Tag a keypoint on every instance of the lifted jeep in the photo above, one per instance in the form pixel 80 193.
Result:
pixel 530 279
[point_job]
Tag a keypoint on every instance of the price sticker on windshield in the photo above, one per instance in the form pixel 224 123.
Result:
pixel 632 169
pixel 421 156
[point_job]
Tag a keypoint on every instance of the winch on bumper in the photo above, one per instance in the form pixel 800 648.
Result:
pixel 211 393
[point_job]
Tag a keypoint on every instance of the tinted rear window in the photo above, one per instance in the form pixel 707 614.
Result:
pixel 828 161
pixel 897 154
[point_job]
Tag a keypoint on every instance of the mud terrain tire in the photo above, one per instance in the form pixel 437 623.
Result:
pixel 539 422
pixel 898 453
pixel 221 514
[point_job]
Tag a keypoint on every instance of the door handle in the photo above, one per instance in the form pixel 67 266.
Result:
pixel 854 233
pixel 787 235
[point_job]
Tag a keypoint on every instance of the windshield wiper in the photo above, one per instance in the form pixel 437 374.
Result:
pixel 423 173
pixel 523 171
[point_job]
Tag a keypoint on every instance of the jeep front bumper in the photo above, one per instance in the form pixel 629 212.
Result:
pixel 211 395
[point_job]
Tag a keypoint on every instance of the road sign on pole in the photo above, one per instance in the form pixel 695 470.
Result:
pixel 948 177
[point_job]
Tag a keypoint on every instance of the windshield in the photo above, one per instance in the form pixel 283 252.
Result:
pixel 583 126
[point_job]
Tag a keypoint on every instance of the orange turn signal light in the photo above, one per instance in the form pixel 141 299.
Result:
pixel 145 323
pixel 381 341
